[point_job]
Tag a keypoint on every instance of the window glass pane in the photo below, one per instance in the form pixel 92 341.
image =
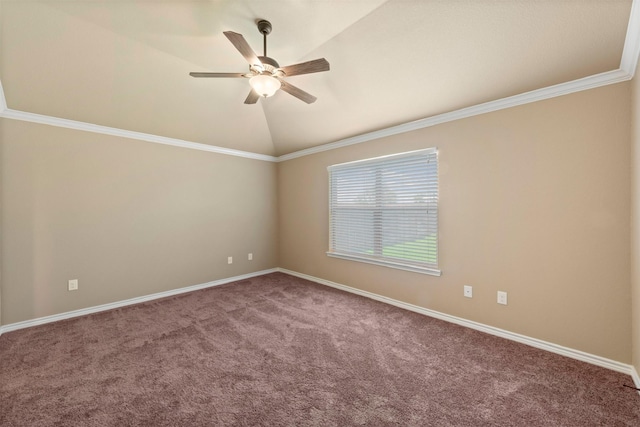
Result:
pixel 352 231
pixel 385 209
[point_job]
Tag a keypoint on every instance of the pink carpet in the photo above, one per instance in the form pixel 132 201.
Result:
pixel 276 350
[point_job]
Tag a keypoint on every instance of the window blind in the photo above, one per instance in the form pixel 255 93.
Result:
pixel 385 211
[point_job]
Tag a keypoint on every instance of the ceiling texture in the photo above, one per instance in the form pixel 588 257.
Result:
pixel 125 64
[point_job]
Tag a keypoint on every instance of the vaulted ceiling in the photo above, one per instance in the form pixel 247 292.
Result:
pixel 125 64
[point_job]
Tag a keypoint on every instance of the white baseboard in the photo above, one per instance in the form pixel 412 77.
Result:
pixel 636 378
pixel 124 303
pixel 533 342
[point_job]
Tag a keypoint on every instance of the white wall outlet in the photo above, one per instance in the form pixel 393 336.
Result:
pixel 73 285
pixel 502 297
pixel 250 257
pixel 230 260
pixel 468 291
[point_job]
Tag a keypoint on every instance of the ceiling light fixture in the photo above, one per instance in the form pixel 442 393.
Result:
pixel 265 75
pixel 265 85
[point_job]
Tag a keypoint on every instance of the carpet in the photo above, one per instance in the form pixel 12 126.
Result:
pixel 277 350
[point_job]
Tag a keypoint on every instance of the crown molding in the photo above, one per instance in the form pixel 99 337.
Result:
pixel 628 63
pixel 591 82
pixel 106 130
pixel 631 50
pixel 89 127
pixel 586 83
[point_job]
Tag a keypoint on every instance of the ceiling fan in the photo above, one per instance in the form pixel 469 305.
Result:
pixel 265 74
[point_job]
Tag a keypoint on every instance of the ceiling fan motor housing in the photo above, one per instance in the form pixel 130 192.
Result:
pixel 265 74
pixel 269 65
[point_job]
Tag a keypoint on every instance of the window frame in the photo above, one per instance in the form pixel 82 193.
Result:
pixel 381 260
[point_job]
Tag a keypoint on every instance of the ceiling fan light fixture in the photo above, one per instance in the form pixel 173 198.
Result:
pixel 265 75
pixel 264 85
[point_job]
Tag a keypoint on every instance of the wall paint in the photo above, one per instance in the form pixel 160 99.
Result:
pixel 1 205
pixel 635 222
pixel 126 218
pixel 534 201
pixel 164 230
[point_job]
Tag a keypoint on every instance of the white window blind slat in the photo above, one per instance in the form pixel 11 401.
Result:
pixel 385 211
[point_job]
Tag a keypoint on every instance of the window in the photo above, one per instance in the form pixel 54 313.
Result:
pixel 385 211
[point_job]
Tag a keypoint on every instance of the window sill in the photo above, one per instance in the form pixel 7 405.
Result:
pixel 390 264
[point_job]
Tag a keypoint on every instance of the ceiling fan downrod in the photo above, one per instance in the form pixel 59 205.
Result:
pixel 265 74
pixel 264 27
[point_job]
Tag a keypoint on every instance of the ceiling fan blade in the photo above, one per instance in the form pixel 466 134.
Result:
pixel 243 47
pixel 298 93
pixel 216 74
pixel 308 67
pixel 252 98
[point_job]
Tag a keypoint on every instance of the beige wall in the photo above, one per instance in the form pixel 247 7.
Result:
pixel 127 218
pixel 1 214
pixel 635 221
pixel 534 201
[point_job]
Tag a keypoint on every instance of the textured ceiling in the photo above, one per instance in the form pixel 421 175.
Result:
pixel 125 64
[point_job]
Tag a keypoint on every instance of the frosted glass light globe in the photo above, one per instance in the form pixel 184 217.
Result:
pixel 264 85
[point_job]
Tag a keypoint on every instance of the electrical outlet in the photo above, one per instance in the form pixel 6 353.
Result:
pixel 502 297
pixel 73 285
pixel 250 257
pixel 230 260
pixel 468 291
